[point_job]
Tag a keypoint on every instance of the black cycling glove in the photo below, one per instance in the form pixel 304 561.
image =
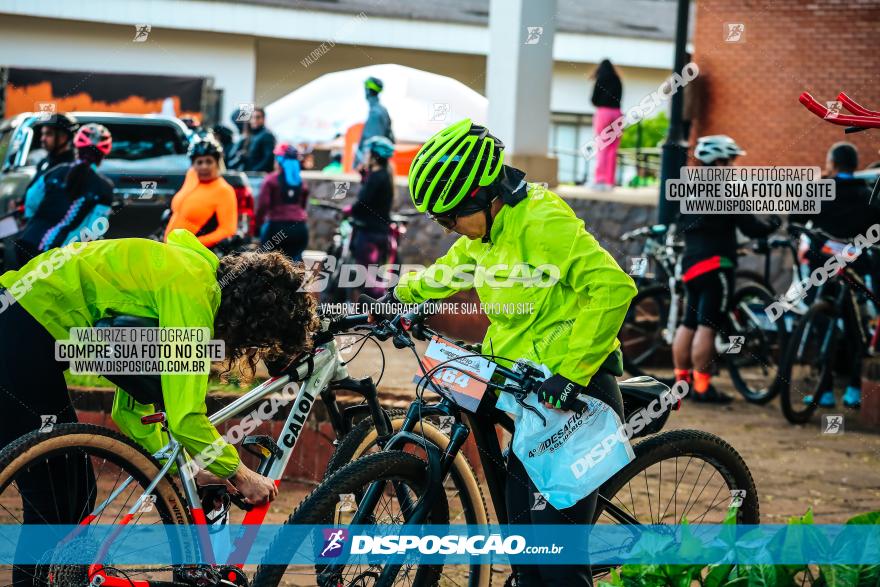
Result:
pixel 560 392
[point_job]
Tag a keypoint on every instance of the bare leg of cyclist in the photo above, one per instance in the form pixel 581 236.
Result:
pixel 681 354
pixel 703 355
pixel 703 349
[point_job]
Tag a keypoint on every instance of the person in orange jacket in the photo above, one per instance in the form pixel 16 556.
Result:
pixel 206 204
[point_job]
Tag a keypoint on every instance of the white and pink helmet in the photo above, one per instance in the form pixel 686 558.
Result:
pixel 93 135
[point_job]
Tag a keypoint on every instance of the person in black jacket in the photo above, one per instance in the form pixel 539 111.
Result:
pixel 71 202
pixel 708 265
pixel 260 146
pixel 849 214
pixel 371 213
pixel 56 137
pixel 607 93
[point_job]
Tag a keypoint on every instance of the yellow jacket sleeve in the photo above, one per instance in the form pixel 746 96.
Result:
pixel 451 273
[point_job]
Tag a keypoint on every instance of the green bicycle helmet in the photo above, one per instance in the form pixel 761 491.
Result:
pixel 374 84
pixel 453 165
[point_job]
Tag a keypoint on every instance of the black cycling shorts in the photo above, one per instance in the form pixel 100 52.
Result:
pixel 707 297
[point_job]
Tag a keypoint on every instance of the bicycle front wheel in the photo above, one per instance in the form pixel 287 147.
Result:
pixel 59 477
pixel 808 365
pixel 464 496
pixel 402 477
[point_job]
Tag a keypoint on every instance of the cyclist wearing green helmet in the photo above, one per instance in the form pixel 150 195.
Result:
pixel 377 124
pixel 566 314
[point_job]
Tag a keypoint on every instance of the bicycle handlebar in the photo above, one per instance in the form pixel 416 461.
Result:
pixel 815 234
pixel 860 121
pixel 854 106
pixel 344 323
pixel 655 231
pixel 401 327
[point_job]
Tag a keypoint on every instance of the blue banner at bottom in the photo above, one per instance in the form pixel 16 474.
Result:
pixel 456 544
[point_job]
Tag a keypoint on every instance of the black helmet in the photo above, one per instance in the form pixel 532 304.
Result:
pixel 62 121
pixel 205 146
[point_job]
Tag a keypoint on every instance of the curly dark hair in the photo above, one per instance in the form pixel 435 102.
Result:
pixel 263 313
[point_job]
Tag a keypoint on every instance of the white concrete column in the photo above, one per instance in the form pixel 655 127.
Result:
pixel 518 80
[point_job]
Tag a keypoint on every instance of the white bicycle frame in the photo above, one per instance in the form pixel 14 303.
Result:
pixel 326 366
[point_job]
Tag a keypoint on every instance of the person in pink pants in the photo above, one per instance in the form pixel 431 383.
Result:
pixel 607 92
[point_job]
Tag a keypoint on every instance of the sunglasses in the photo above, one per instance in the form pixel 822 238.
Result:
pixel 447 221
pixel 450 219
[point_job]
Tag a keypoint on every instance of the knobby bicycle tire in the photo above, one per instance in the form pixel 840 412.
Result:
pixel 319 506
pixel 363 436
pixel 118 449
pixel 793 408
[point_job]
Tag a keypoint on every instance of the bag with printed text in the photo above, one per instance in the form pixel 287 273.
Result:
pixel 571 455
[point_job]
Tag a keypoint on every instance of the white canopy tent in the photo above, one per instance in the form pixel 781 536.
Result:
pixel 419 103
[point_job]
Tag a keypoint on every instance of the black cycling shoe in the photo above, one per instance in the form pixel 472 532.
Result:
pixel 710 396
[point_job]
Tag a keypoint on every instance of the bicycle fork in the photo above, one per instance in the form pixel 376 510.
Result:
pixel 439 463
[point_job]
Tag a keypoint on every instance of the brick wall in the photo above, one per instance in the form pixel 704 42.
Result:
pixel 313 449
pixel 789 46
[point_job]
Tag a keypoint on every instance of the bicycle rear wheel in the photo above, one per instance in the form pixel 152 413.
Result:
pixel 808 365
pixel 61 475
pixel 753 369
pixel 678 475
pixel 403 478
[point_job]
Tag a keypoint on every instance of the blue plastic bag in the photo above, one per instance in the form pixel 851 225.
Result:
pixel 571 456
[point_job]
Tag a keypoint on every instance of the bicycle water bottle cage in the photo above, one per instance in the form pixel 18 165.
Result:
pixel 265 448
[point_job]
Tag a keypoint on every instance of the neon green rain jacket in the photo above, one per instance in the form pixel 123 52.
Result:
pixel 572 323
pixel 176 283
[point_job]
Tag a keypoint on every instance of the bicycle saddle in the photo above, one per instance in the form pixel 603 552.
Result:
pixel 644 387
pixel 145 389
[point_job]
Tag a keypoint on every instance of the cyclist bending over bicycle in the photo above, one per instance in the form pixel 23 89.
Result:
pixel 251 301
pixel 371 213
pixel 708 266
pixel 459 178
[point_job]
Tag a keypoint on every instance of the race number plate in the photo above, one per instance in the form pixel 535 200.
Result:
pixel 463 378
